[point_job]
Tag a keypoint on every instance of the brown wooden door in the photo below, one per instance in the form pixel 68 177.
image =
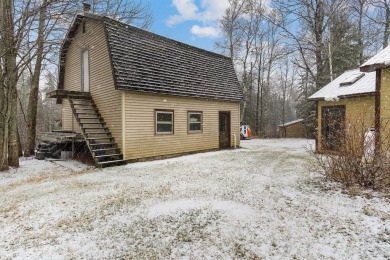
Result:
pixel 224 130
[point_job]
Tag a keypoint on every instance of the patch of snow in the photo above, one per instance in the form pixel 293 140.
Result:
pixel 331 98
pixel 337 87
pixel 234 210
pixel 31 168
pixel 254 202
pixel 72 165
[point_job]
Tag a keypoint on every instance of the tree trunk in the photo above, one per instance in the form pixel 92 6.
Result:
pixel 3 103
pixel 318 32
pixel 9 147
pixel 13 150
pixel 33 98
pixel 20 148
pixel 3 94
pixel 259 93
pixel 386 32
pixel 360 31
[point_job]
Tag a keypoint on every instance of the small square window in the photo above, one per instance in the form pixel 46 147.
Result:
pixel 164 122
pixel 195 122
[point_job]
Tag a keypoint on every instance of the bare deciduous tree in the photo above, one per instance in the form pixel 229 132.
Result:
pixel 30 33
pixel 9 153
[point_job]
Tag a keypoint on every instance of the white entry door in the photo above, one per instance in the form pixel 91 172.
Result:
pixel 84 71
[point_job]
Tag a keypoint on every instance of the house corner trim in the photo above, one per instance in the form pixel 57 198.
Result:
pixel 123 125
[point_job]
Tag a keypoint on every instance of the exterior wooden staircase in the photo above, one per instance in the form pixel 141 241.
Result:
pixel 100 142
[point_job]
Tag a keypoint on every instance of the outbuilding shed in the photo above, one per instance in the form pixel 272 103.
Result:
pixel 293 129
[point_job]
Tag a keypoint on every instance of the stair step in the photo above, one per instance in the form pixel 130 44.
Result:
pixel 102 144
pixel 100 121
pixel 88 122
pixel 79 106
pixel 100 138
pixel 87 128
pixel 97 123
pixel 84 107
pixel 108 155
pixel 82 101
pixel 94 109
pixel 86 113
pixel 105 149
pixel 89 103
pixel 89 118
pixel 98 133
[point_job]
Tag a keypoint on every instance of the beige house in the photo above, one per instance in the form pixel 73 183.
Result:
pixel 347 101
pixel 136 95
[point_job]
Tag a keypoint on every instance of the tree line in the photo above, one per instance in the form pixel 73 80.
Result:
pixel 284 51
pixel 31 33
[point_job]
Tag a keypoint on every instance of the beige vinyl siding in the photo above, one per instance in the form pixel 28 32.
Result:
pixel 385 106
pixel 358 111
pixel 141 140
pixel 102 88
pixel 67 118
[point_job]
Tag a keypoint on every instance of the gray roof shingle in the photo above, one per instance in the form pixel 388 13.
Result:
pixel 145 62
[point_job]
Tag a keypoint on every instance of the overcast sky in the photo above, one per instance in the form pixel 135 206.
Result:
pixel 194 22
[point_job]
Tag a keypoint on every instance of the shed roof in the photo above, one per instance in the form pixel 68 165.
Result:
pixel 291 123
pixel 146 62
pixel 349 84
pixel 379 61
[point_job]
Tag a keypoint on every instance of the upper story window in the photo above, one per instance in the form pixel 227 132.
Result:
pixel 85 71
pixel 195 121
pixel 164 121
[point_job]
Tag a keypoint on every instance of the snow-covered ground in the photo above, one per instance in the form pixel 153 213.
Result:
pixel 253 202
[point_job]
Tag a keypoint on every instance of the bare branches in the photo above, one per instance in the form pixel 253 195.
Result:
pixel 134 12
pixel 30 35
pixel 356 162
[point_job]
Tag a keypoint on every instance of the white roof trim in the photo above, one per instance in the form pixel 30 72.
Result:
pixel 292 122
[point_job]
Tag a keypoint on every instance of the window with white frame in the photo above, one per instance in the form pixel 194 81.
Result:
pixel 195 122
pixel 164 121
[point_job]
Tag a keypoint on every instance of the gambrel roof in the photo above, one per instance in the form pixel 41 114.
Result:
pixel 351 83
pixel 145 62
